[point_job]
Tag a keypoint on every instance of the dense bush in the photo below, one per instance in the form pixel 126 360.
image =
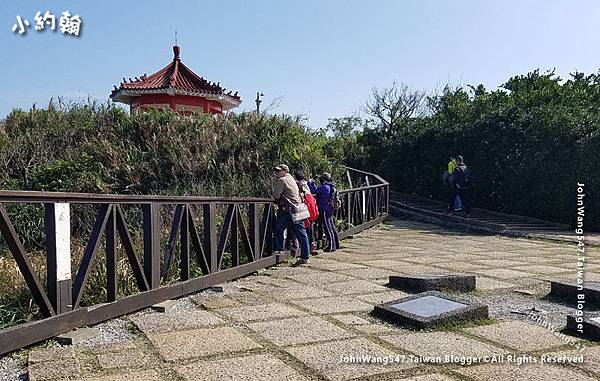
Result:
pixel 529 143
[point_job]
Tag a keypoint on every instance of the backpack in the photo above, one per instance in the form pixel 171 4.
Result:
pixel 334 198
pixel 311 203
pixel 463 178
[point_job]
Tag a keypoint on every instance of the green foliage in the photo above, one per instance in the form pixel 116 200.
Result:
pixel 101 149
pixel 529 143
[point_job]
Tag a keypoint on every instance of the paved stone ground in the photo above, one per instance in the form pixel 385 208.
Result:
pixel 295 323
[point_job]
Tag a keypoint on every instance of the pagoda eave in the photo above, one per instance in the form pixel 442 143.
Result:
pixel 125 95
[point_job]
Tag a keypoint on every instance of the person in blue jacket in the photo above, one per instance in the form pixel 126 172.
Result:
pixel 324 194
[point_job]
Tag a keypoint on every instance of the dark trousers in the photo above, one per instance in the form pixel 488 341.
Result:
pixel 452 192
pixel 466 197
pixel 333 241
pixel 283 222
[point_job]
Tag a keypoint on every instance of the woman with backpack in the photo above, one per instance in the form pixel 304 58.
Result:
pixel 311 204
pixel 326 195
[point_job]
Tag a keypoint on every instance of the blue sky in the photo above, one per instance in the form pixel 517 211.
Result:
pixel 322 57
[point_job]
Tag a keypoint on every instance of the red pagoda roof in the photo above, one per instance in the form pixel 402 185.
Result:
pixel 175 78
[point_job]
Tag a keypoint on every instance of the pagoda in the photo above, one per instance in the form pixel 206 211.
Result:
pixel 175 87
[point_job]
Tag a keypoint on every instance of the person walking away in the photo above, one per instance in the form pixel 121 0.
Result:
pixel 463 178
pixel 325 195
pixel 287 196
pixel 454 201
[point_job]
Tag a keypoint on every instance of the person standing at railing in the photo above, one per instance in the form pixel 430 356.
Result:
pixel 291 211
pixel 326 195
pixel 311 203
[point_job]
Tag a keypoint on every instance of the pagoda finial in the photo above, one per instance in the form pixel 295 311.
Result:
pixel 176 51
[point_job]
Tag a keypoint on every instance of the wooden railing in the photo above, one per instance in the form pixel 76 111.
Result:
pixel 208 240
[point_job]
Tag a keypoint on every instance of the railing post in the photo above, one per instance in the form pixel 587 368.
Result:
pixel 111 256
pixel 210 235
pixel 254 228
pixel 184 244
pixel 151 226
pixel 58 249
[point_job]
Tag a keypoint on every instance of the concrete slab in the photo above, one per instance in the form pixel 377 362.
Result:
pixel 442 344
pixel 568 291
pixel 518 335
pixel 320 277
pixel 589 325
pixel 50 354
pixel 433 282
pixel 545 269
pixel 261 312
pixel 368 273
pixel 358 286
pixel 428 377
pixel 181 345
pixel 382 297
pixel 333 305
pixel 489 284
pixel 503 273
pixel 65 369
pixel 157 322
pixel 299 331
pixel 164 307
pixel 429 309
pixel 325 359
pixel 263 367
pixel 214 301
pixel 301 291
pixel 146 375
pixel 529 372
pixel 124 359
pixel 77 336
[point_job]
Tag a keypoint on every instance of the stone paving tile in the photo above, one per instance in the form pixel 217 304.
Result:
pixel 542 269
pixel 325 358
pixel 428 377
pixel 442 344
pixel 333 305
pixel 213 301
pixel 263 367
pixel 528 372
pixel 64 369
pixel 350 319
pixel 499 262
pixel 276 282
pixel 260 312
pixel 299 331
pixel 375 329
pixel 382 297
pixel 333 265
pixel 591 358
pixel 123 359
pixel 369 273
pixel 462 257
pixel 355 287
pixel 518 335
pixel 503 273
pixel 461 266
pixel 50 354
pixel 301 291
pixel 487 284
pixel 201 342
pixel 146 375
pixel 166 322
pixel 249 298
pixel 320 277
